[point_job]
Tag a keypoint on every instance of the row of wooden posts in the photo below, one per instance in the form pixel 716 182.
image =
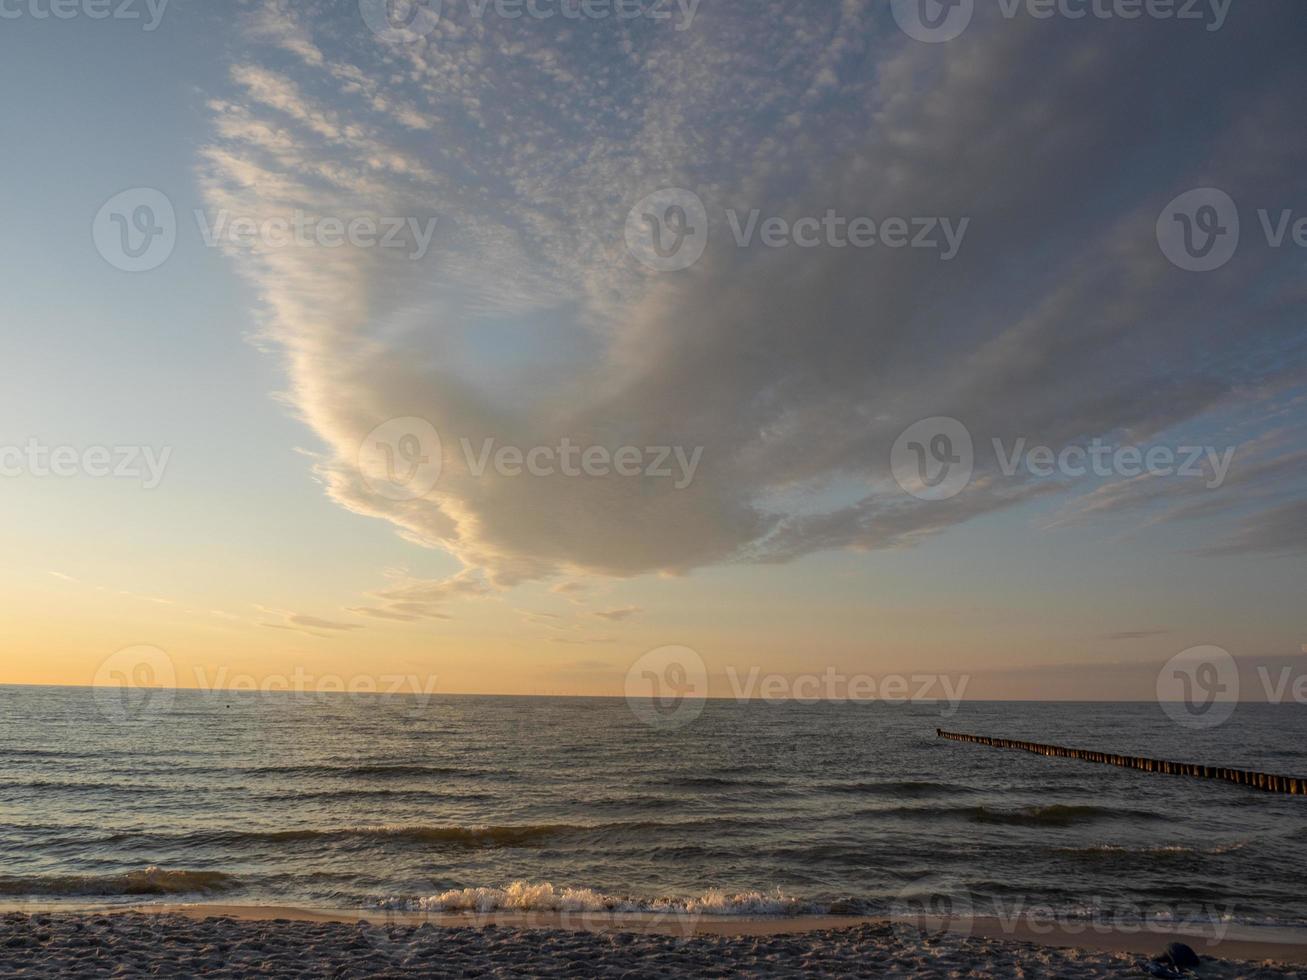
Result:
pixel 1243 777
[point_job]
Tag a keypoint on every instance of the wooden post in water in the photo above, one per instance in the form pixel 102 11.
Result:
pixel 1264 781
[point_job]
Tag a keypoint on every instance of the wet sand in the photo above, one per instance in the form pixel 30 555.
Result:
pixel 1241 943
pixel 265 941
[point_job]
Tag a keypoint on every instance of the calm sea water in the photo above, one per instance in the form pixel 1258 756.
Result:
pixel 368 801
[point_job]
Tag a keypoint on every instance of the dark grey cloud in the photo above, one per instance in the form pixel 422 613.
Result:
pixel 794 370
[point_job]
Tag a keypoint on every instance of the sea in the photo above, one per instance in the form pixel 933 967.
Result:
pixel 452 804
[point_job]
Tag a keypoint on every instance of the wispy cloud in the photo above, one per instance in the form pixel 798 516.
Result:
pixel 618 615
pixel 410 599
pixel 305 623
pixel 1279 531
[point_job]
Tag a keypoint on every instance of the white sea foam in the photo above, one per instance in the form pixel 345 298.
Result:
pixel 523 896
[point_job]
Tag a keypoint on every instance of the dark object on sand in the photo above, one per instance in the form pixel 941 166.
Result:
pixel 1242 777
pixel 1181 957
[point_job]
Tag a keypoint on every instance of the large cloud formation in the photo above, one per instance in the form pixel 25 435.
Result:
pixel 529 321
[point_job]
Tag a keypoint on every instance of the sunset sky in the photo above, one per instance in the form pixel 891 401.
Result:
pixel 262 370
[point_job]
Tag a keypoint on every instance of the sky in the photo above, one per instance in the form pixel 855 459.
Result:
pixel 635 236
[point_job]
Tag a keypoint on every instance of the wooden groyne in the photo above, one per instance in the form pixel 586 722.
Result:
pixel 1241 777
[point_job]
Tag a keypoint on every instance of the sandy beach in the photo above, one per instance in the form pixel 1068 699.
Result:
pixel 239 942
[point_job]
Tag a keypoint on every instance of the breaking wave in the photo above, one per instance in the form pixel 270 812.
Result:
pixel 522 896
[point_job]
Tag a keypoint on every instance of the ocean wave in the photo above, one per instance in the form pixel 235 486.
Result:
pixel 642 801
pixel 91 787
pixel 1056 815
pixel 385 793
pixel 1051 815
pixel 458 835
pixel 501 836
pixel 910 788
pixel 716 782
pixel 1159 850
pixel 19 755
pixel 148 881
pixel 369 771
pixel 522 896
pixel 476 835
